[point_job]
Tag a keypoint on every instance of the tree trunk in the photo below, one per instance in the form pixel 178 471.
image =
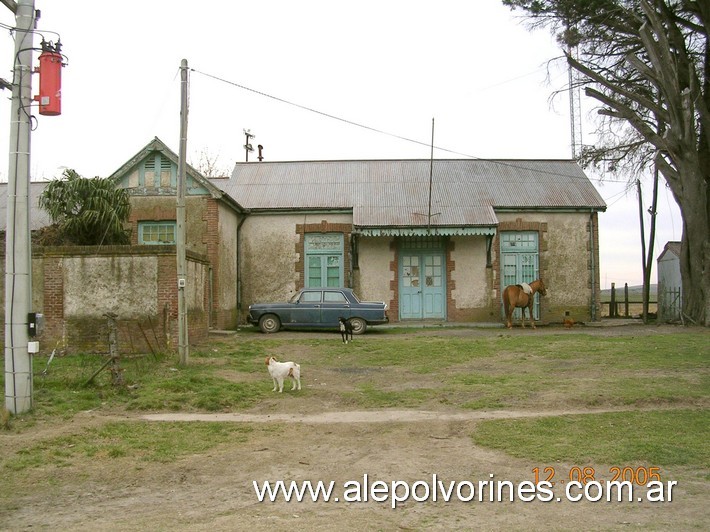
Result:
pixel 693 258
pixel 695 246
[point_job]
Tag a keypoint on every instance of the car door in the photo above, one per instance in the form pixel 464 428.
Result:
pixel 306 312
pixel 335 305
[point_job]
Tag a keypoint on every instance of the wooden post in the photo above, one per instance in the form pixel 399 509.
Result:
pixel 113 359
pixel 626 300
pixel 612 303
pixel 116 371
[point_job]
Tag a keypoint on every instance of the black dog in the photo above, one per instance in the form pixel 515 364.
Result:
pixel 346 328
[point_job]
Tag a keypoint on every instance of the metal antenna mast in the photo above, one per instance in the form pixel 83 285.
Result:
pixel 247 146
pixel 431 177
pixel 575 106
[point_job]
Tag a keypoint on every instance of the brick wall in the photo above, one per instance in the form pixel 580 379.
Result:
pixel 146 303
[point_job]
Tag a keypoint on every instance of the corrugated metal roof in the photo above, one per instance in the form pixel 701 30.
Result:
pixel 402 216
pixel 396 192
pixel 671 246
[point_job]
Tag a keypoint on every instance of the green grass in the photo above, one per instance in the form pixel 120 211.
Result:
pixel 471 372
pixel 657 438
pixel 137 441
pixel 372 397
pixel 394 369
pixel 505 371
pixel 152 383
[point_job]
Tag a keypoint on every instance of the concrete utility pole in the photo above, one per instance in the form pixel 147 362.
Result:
pixel 183 347
pixel 18 251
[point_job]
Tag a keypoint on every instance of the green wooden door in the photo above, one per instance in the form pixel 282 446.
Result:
pixel 422 279
pixel 519 263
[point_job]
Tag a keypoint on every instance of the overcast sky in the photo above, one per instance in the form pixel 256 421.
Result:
pixel 314 80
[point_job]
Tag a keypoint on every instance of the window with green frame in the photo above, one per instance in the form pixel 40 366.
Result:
pixel 157 233
pixel 324 260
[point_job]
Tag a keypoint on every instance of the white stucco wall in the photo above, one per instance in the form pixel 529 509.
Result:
pixel 375 276
pixel 269 258
pixel 469 275
pixel 568 261
pixel 669 271
pixel 123 285
pixel 669 287
pixel 270 263
pixel 565 262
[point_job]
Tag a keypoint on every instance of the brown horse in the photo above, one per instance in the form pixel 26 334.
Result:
pixel 514 296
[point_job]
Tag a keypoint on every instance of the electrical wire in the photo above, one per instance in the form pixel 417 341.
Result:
pixel 619 196
pixel 382 132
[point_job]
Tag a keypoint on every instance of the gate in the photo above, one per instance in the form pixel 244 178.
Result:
pixel 670 304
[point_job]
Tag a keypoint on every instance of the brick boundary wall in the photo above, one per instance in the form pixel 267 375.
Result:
pixel 145 334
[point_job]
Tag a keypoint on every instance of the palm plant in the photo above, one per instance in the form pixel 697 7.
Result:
pixel 87 211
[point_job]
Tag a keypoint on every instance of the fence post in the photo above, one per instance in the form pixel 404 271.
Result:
pixel 626 300
pixel 612 302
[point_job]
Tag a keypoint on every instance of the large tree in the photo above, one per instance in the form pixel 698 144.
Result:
pixel 647 64
pixel 86 211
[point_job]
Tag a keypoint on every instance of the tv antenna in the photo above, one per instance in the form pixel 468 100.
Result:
pixel 247 146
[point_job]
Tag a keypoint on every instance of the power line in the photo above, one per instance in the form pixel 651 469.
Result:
pixel 383 132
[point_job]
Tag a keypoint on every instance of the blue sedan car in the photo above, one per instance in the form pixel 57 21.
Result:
pixel 318 308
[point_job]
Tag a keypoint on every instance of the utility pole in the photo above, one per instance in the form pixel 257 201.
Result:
pixel 183 346
pixel 18 251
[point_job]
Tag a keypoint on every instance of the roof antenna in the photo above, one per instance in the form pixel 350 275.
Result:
pixel 247 146
pixel 431 176
pixel 431 179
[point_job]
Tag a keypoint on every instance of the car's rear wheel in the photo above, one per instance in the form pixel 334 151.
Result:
pixel 359 325
pixel 269 323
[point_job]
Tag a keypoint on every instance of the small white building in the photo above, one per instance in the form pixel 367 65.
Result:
pixel 670 286
pixel 436 240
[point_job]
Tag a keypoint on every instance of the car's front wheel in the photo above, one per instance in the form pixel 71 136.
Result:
pixel 269 323
pixel 359 325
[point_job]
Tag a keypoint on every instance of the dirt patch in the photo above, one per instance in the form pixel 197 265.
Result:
pixel 296 438
pixel 376 416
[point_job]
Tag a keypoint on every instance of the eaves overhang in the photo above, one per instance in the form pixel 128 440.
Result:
pixel 426 231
